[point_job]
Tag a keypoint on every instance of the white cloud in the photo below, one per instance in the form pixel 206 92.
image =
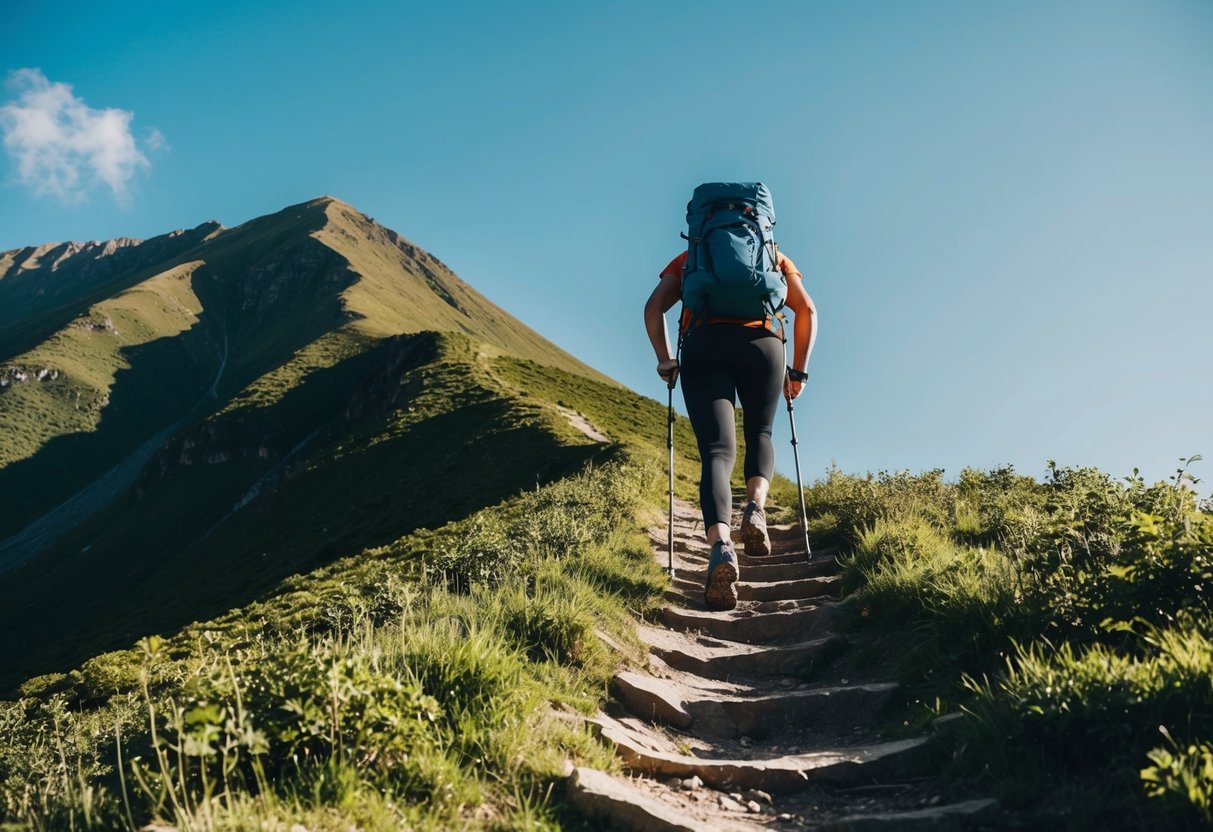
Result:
pixel 62 147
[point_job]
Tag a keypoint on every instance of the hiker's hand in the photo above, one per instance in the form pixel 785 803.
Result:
pixel 791 389
pixel 668 370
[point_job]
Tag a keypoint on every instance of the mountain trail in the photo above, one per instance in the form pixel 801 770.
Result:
pixel 582 424
pixel 756 718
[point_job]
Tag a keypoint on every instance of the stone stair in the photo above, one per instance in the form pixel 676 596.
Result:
pixel 729 727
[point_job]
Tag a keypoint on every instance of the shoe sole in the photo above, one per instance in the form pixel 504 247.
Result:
pixel 756 542
pixel 721 593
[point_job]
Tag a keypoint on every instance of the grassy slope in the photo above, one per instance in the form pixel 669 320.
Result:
pixel 1070 619
pixel 448 446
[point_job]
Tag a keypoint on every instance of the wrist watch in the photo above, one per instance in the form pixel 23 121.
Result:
pixel 798 375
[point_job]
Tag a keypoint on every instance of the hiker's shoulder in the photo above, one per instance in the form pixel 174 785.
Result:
pixel 674 267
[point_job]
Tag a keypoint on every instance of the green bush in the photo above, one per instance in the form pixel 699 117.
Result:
pixel 1183 777
pixel 1105 583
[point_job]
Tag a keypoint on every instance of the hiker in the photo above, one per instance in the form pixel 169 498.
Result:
pixel 731 357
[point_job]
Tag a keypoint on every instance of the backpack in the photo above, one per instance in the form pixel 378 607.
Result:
pixel 732 267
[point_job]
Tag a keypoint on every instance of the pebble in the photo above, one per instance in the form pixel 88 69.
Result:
pixel 753 807
pixel 737 796
pixel 692 783
pixel 758 795
pixel 934 801
pixel 730 805
pixel 745 742
pixel 785 817
pixel 673 783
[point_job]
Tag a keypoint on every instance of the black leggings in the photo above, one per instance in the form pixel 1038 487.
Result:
pixel 721 363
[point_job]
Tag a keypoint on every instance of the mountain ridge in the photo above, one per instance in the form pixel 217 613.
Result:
pixel 262 399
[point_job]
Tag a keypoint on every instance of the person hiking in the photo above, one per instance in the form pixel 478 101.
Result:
pixel 727 358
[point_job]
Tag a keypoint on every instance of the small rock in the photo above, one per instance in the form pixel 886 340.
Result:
pixel 753 807
pixel 692 783
pixel 730 805
pixel 737 796
pixel 784 817
pixel 673 783
pixel 934 801
pixel 745 742
pixel 757 794
pixel 802 687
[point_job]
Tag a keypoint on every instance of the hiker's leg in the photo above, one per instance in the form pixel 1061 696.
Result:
pixel 756 489
pixel 759 384
pixel 707 390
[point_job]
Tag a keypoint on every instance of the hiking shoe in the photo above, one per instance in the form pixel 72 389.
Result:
pixel 754 531
pixel 721 590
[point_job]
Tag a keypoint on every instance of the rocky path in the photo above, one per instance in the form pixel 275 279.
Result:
pixel 759 718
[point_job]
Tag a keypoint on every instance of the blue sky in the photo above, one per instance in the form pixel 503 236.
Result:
pixel 1004 210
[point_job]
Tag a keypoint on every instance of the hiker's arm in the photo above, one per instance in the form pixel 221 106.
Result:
pixel 804 330
pixel 665 295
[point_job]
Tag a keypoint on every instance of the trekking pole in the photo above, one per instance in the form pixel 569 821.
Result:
pixel 669 441
pixel 670 445
pixel 804 515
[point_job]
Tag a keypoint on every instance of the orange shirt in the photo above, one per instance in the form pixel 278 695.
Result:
pixel 675 267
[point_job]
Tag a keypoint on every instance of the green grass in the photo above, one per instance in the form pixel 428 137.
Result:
pixel 1070 619
pixel 396 688
pixel 383 460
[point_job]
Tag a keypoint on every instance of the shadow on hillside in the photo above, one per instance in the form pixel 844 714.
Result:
pixel 340 502
pixel 167 379
pixel 165 382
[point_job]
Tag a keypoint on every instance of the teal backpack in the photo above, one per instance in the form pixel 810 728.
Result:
pixel 732 268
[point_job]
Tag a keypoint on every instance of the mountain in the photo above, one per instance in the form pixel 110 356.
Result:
pixel 192 418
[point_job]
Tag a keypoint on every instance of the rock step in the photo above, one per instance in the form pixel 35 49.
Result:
pixel 726 661
pixel 770 560
pixel 621 805
pixel 753 627
pixel 964 815
pixel 791 535
pixel 767 574
pixel 776 775
pixel 804 588
pixel 848 707
pixel 710 715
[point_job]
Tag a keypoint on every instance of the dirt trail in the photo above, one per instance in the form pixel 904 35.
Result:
pixel 758 718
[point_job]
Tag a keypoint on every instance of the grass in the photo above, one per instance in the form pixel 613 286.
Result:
pixel 1069 619
pixel 403 687
pixel 366 476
